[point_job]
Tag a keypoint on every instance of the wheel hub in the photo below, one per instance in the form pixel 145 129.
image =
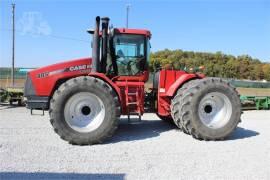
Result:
pixel 208 109
pixel 84 112
pixel 215 110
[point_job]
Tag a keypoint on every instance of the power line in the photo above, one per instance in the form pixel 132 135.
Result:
pixel 49 35
pixel 68 38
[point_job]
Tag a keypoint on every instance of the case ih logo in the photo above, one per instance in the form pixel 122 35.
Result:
pixel 80 67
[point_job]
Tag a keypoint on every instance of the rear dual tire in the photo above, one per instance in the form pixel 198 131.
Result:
pixel 208 109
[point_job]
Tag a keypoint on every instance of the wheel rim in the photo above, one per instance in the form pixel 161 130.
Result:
pixel 215 110
pixel 84 112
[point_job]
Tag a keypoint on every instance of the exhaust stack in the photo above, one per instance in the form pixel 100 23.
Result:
pixel 96 48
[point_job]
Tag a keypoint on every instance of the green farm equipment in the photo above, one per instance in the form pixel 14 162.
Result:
pixel 12 94
pixel 255 102
pixel 262 102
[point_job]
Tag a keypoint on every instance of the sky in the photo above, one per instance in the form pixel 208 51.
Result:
pixel 51 31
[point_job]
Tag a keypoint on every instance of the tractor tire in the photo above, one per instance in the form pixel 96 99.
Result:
pixel 209 109
pixel 84 110
pixel 175 105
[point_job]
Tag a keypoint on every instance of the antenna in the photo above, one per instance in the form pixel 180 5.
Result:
pixel 127 11
pixel 13 42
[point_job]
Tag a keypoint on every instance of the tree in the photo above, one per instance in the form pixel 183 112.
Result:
pixel 216 64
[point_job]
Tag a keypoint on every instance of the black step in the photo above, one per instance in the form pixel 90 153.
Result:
pixel 134 113
pixel 139 120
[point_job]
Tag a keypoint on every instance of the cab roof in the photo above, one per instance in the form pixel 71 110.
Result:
pixel 133 31
pixel 126 31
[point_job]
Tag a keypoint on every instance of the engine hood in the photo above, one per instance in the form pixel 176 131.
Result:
pixel 66 66
pixel 41 81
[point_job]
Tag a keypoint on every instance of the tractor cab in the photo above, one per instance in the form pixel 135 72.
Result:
pixel 125 53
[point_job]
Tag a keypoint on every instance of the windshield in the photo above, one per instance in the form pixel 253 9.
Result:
pixel 130 53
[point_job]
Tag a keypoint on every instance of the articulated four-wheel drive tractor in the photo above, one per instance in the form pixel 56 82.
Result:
pixel 86 97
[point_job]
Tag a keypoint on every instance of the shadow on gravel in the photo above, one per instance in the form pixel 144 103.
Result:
pixel 153 128
pixel 7 106
pixel 143 130
pixel 242 133
pixel 47 175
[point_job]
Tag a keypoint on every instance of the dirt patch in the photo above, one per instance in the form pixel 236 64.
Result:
pixel 7 83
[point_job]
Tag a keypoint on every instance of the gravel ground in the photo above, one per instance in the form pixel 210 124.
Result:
pixel 29 149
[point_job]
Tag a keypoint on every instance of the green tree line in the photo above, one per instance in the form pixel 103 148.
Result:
pixel 215 64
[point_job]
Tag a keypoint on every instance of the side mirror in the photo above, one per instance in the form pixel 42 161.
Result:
pixel 90 31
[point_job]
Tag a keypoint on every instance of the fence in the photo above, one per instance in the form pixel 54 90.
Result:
pixel 19 73
pixel 19 76
pixel 249 84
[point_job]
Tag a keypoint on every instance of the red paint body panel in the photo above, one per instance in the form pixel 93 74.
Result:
pixel 169 82
pixel 143 77
pixel 133 31
pixel 45 78
pixel 137 88
pixel 178 82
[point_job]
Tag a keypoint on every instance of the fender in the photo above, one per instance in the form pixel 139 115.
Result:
pixel 107 80
pixel 179 82
pixel 169 82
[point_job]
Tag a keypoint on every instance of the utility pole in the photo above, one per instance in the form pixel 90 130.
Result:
pixel 13 42
pixel 127 11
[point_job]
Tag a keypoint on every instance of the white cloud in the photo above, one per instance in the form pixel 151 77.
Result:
pixel 33 23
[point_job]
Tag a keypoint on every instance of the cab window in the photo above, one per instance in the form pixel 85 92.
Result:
pixel 130 53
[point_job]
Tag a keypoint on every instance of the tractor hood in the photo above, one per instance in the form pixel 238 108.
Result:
pixel 41 81
pixel 67 66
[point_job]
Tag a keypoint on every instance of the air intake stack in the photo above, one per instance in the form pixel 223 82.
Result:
pixel 96 48
pixel 104 25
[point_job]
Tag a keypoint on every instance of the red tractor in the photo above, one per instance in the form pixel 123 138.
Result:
pixel 85 97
